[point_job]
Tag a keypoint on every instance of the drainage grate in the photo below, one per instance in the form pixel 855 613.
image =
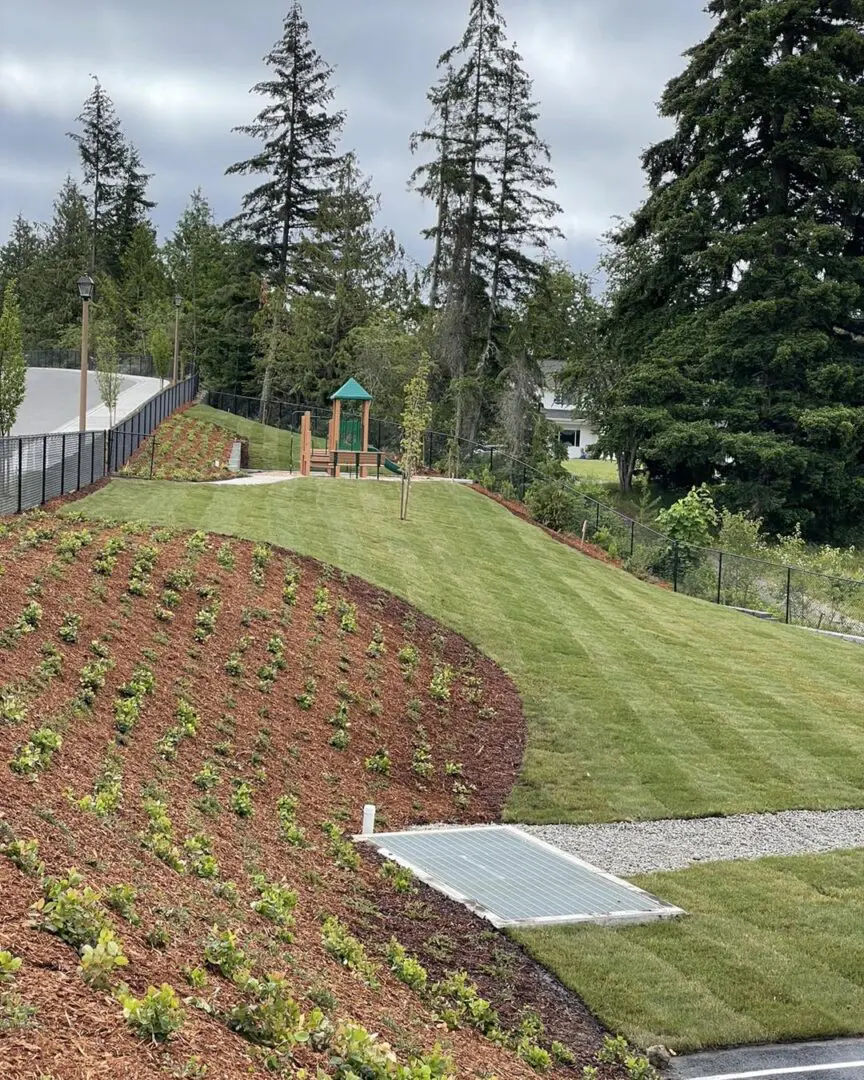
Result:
pixel 513 879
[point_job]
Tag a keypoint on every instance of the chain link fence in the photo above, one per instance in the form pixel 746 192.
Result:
pixel 34 469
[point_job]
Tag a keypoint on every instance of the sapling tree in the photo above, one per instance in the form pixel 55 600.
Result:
pixel 415 421
pixel 107 368
pixel 13 369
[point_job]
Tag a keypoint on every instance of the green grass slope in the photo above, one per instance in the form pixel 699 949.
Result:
pixel 269 447
pixel 772 950
pixel 640 703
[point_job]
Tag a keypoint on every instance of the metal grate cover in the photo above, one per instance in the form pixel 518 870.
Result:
pixel 513 879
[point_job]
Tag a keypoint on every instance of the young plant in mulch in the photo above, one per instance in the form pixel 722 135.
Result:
pixel 196 545
pixel 99 962
pixel 377 647
pixel 340 944
pixel 291 583
pixel 344 853
pixel 199 852
pixel 276 902
pixel 106 558
pixel 208 778
pixel 409 662
pixel 107 790
pixel 130 699
pixel 406 968
pixel 71 909
pixel 121 899
pixel 379 762
pixel 70 543
pixel 142 569
pixel 23 854
pixel 241 798
pixel 35 755
pixel 261 556
pixel 421 762
pixel 48 668
pixel 289 830
pixel 222 953
pixel 91 680
pixel 321 602
pixel 205 620
pixel 69 628
pixel 15 1013
pixel 442 680
pixel 158 837
pixel 13 709
pixel 347 617
pixel 306 699
pixel 400 877
pixel 225 557
pixel 26 623
pixel 156 1016
pixel 340 721
pixel 186 728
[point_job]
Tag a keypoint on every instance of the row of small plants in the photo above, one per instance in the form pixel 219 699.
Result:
pixel 182 448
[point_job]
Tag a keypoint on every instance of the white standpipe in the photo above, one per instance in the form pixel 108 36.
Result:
pixel 368 819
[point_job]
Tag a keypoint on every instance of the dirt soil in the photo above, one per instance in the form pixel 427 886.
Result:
pixel 341 641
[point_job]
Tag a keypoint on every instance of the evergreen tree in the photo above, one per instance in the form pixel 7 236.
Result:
pixel 13 370
pixel 754 215
pixel 19 259
pixel 488 179
pixel 53 300
pixel 104 160
pixel 142 285
pixel 131 210
pixel 227 311
pixel 297 158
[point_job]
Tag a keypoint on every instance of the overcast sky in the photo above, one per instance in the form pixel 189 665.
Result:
pixel 179 72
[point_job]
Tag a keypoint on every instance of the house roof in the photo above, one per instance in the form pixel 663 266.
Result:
pixel 351 391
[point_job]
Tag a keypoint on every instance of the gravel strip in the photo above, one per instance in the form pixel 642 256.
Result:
pixel 645 846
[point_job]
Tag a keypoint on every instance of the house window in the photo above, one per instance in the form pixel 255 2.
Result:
pixel 569 438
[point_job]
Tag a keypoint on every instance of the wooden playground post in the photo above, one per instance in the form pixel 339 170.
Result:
pixel 333 442
pixel 364 471
pixel 306 444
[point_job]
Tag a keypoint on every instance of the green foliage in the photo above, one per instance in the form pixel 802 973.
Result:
pixel 276 903
pixel 9 966
pixel 69 628
pixel 347 617
pixel 71 910
pixel 443 678
pixel 25 855
pixel 186 728
pixel 223 954
pixel 12 708
pixel 158 838
pixel 34 756
pixel 406 968
pixel 156 1016
pixel 270 1016
pixel 100 961
pixel 344 853
pixel 339 943
pixel 400 877
pixel 379 762
pixel 241 799
pixel 121 898
pixel 13 370
pixel 554 502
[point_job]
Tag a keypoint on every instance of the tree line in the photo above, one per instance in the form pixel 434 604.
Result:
pixel 303 287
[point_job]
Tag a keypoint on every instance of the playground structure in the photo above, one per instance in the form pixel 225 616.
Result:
pixel 347 437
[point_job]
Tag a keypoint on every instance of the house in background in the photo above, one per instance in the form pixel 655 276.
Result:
pixel 573 431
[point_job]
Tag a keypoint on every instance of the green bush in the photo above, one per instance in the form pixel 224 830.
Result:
pixel 71 910
pixel 100 961
pixel 157 1015
pixel 555 504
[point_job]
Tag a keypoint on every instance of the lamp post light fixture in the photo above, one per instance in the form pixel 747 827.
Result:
pixel 178 303
pixel 85 291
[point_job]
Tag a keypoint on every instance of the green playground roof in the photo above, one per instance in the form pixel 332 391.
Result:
pixel 351 391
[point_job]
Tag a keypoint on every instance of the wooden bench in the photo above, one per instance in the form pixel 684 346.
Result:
pixel 335 460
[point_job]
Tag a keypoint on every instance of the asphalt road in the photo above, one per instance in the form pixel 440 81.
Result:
pixel 52 399
pixel 839 1059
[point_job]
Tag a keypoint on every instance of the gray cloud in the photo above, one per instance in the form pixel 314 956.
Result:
pixel 179 74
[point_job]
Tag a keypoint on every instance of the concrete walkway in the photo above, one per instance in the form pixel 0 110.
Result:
pixel 645 846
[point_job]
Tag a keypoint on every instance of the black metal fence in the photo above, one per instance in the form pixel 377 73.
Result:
pixel 127 363
pixel 37 468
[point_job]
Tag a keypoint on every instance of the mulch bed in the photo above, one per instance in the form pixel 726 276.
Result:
pixel 183 448
pixel 268 741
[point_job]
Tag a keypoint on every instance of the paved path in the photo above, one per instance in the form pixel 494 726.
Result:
pixel 839 1059
pixel 51 400
pixel 645 846
pixel 256 478
pixel 135 391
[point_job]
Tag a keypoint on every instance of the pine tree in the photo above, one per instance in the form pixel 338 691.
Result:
pixel 104 160
pixel 488 180
pixel 754 215
pixel 297 159
pixel 131 210
pixel 13 369
pixel 53 295
pixel 19 260
pixel 142 285
pixel 298 156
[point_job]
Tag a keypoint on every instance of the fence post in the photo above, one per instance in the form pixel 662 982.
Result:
pixel 598 516
pixel 379 434
pixel 152 453
pixel 491 457
pixel 107 470
pixel 788 594
pixel 20 473
pixel 63 465
pixel 675 565
pixel 524 482
pixel 80 452
pixel 44 463
pixel 92 456
pixel 632 537
pixel 720 577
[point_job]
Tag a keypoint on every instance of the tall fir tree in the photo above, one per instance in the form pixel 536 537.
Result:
pixel 13 369
pixel 297 159
pixel 19 262
pixel 104 161
pixel 489 180
pixel 131 210
pixel 755 216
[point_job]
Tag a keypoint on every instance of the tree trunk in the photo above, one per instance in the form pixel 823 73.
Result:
pixel 626 467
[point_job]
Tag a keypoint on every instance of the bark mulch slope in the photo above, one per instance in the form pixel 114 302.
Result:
pixel 183 448
pixel 279 657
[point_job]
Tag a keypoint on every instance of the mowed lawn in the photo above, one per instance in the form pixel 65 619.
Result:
pixel 604 471
pixel 270 448
pixel 772 950
pixel 640 703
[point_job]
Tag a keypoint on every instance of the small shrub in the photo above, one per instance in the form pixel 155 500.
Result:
pixel 400 877
pixel 196 977
pixel 71 910
pixel 321 604
pixel 442 680
pixel 157 1015
pixel 277 902
pixel 343 851
pixel 208 778
pixel 36 754
pixel 100 961
pixel 409 661
pixel 379 762
pixel 421 763
pixel 12 708
pixel 24 854
pixel 121 898
pixel 70 628
pixel 9 966
pixel 241 799
pixel 347 950
pixel 406 968
pixel 223 954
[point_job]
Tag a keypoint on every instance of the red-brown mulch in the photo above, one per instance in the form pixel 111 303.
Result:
pixel 183 448
pixel 269 741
